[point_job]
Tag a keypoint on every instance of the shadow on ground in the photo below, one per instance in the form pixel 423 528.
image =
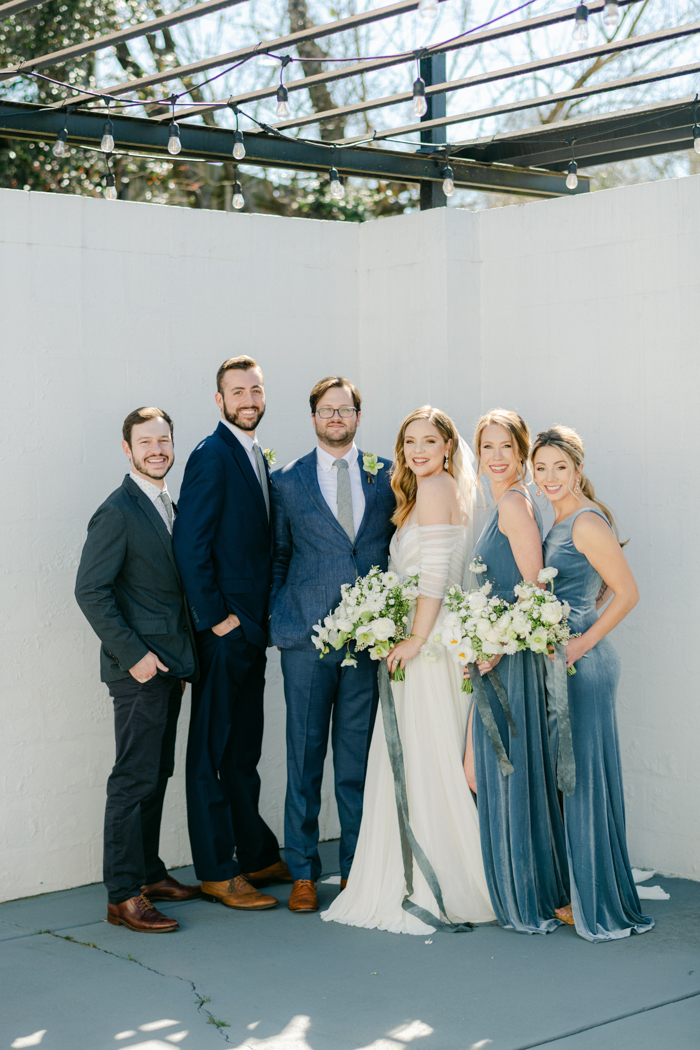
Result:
pixel 278 981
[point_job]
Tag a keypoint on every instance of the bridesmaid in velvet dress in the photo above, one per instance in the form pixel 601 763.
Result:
pixel 522 832
pixel 583 545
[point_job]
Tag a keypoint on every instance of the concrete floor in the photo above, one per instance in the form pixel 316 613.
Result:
pixel 278 981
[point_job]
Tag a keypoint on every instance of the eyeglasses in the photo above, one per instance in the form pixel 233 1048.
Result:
pixel 327 412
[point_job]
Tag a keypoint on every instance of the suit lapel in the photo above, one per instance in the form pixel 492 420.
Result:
pixel 241 457
pixel 370 491
pixel 309 473
pixel 154 517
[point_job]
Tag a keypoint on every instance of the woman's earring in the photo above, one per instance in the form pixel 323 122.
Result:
pixel 447 461
pixel 577 488
pixel 538 491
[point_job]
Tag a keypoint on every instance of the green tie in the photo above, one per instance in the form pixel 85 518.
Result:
pixel 345 515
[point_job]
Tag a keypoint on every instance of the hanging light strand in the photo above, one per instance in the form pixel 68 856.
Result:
pixel 174 143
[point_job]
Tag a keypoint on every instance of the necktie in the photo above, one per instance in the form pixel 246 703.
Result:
pixel 168 504
pixel 262 476
pixel 345 515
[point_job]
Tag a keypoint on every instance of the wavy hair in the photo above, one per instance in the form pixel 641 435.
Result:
pixel 403 479
pixel 516 427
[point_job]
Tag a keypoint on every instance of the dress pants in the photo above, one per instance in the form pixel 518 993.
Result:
pixel 315 690
pixel 223 751
pixel 145 724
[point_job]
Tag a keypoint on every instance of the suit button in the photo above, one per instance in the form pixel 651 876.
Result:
pixel 185 628
pixel 354 554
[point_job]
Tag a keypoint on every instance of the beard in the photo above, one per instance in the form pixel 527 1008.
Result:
pixel 143 467
pixel 235 419
pixel 338 438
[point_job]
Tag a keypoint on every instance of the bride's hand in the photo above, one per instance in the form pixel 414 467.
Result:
pixel 486 666
pixel 402 653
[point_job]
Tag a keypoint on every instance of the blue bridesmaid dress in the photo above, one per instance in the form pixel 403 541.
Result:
pixel 603 895
pixel 522 832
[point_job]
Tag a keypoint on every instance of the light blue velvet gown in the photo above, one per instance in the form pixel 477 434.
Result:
pixel 522 832
pixel 603 895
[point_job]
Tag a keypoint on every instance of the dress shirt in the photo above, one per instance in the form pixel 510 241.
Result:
pixel 328 483
pixel 248 443
pixel 153 493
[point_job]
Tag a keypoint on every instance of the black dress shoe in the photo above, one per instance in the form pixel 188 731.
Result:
pixel 169 889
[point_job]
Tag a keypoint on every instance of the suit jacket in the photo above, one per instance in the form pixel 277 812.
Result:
pixel 222 537
pixel 313 554
pixel 129 588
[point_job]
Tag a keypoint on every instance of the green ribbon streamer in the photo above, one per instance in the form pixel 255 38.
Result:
pixel 566 764
pixel 410 848
pixel 484 707
pixel 499 689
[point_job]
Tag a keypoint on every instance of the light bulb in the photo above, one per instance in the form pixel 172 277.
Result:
pixel 174 144
pixel 611 14
pixel 337 188
pixel 581 27
pixel 107 144
pixel 60 146
pixel 419 105
pixel 572 177
pixel 238 147
pixel 283 110
pixel 427 10
pixel 110 190
pixel 696 139
pixel 238 198
pixel 448 186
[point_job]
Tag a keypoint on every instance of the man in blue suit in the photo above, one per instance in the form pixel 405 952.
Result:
pixel 332 524
pixel 223 547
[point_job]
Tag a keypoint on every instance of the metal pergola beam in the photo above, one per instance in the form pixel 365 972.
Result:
pixel 87 47
pixel 199 142
pixel 508 72
pixel 15 7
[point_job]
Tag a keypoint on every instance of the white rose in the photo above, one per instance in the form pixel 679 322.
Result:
pixel 551 613
pixel 382 629
pixel 491 648
pixel 483 629
pixel 547 574
pixel 344 625
pixel 477 600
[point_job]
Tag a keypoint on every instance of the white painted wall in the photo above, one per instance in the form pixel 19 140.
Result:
pixel 579 310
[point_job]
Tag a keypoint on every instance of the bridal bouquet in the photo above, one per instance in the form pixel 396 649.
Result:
pixel 475 626
pixel 373 614
pixel 540 620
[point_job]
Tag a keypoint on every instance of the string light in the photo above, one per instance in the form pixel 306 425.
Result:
pixel 427 10
pixel 696 139
pixel 107 144
pixel 238 200
pixel 110 190
pixel 337 188
pixel 572 177
pixel 238 147
pixel 419 105
pixel 581 26
pixel 60 146
pixel 174 143
pixel 448 186
pixel 283 110
pixel 611 14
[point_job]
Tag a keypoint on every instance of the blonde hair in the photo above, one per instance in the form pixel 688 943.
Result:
pixel 516 427
pixel 403 480
pixel 569 443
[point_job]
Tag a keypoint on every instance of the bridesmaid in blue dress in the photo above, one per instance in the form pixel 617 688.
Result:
pixel 522 832
pixel 583 545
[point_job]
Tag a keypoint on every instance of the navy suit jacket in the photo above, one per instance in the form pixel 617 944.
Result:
pixel 223 539
pixel 313 554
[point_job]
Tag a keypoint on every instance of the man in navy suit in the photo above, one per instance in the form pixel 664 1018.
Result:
pixel 332 524
pixel 223 547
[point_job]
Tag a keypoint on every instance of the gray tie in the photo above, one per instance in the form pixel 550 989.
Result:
pixel 345 515
pixel 168 504
pixel 262 476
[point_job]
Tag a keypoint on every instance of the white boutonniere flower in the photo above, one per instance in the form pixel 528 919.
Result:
pixel 270 455
pixel 371 465
pixel 477 566
pixel 547 574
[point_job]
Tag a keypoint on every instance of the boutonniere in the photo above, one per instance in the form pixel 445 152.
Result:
pixel 371 465
pixel 270 455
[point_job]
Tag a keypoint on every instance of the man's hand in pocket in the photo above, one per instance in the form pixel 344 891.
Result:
pixel 226 626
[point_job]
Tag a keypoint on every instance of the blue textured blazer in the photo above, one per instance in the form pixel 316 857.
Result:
pixel 222 537
pixel 313 555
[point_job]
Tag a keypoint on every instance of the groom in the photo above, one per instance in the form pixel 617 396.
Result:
pixel 332 524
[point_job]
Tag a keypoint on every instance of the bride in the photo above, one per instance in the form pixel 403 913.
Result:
pixel 434 485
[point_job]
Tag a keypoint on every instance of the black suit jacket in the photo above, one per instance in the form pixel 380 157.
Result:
pixel 130 590
pixel 222 537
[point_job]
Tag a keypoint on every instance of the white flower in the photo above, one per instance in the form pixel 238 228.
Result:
pixel 477 600
pixel 451 637
pixel 364 637
pixel 510 648
pixel 566 608
pixel 552 613
pixel 349 661
pixel 538 640
pixel 483 629
pixel 320 643
pixel 382 629
pixel 477 566
pixel 430 652
pixel 547 574
pixel 491 648
pixel 412 570
pixel 465 655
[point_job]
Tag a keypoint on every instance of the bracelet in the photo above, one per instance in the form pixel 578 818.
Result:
pixel 419 636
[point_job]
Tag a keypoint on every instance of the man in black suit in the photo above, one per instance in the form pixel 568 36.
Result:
pixel 130 591
pixel 223 546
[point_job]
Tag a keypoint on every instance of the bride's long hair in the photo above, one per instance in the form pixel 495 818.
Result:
pixel 403 480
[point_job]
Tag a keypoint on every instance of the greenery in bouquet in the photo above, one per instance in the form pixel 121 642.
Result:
pixel 373 614
pixel 539 619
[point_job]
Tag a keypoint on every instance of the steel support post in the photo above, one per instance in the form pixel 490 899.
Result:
pixel 433 71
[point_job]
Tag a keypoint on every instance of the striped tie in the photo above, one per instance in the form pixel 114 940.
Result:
pixel 262 476
pixel 345 515
pixel 168 504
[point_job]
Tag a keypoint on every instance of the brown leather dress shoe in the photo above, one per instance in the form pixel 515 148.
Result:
pixel 303 896
pixel 139 915
pixel 169 889
pixel 238 893
pixel 277 872
pixel 343 884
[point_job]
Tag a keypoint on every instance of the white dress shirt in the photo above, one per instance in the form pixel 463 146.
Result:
pixel 248 443
pixel 153 493
pixel 328 483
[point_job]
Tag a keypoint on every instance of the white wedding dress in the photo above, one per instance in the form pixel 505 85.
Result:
pixel 431 711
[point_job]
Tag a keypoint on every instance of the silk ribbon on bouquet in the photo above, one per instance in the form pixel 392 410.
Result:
pixel 566 764
pixel 410 848
pixel 487 717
